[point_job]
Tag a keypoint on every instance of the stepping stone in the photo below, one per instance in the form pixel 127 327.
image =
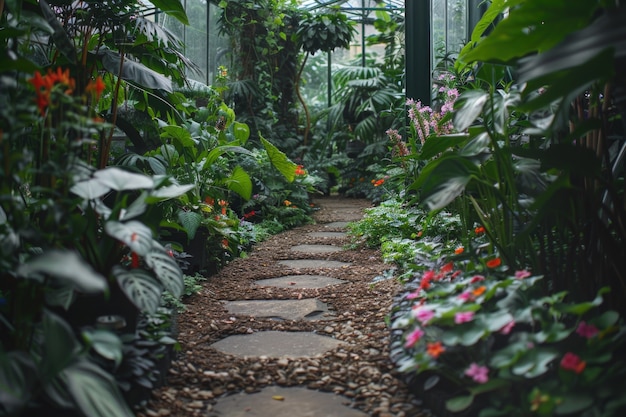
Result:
pixel 313 263
pixel 309 308
pixel 336 225
pixel 275 344
pixel 328 234
pixel 316 248
pixel 276 401
pixel 300 281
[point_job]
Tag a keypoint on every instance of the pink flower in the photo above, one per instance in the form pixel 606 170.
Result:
pixel 522 274
pixel 464 317
pixel 572 362
pixel 413 338
pixel 423 315
pixel 586 330
pixel 506 329
pixel 413 295
pixel 477 278
pixel 466 296
pixel 478 373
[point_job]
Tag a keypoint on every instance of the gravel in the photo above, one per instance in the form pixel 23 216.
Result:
pixel 360 371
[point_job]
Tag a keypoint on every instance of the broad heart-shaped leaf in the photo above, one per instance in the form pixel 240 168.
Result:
pixel 18 376
pixel 90 189
pixel 143 290
pixel 95 391
pixel 241 132
pixel 190 220
pixel 172 8
pixel 280 161
pixel 121 180
pixel 66 266
pixel 166 270
pixel 134 72
pixel 60 345
pixel 240 182
pixel 134 234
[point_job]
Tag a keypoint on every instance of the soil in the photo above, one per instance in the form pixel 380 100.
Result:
pixel 361 371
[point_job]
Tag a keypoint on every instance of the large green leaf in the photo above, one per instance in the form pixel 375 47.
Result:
pixel 240 182
pixel 134 72
pixel 90 189
pixel 542 24
pixel 140 286
pixel 95 391
pixel 106 343
pixel 18 377
pixel 241 131
pixel 166 270
pixel 608 32
pixel 66 266
pixel 134 234
pixel 443 180
pixel 190 220
pixel 468 107
pixel 61 346
pixel 172 8
pixel 221 150
pixel 437 145
pixel 121 180
pixel 181 136
pixel 280 161
pixel 169 192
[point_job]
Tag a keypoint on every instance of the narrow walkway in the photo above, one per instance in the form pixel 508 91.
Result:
pixel 296 329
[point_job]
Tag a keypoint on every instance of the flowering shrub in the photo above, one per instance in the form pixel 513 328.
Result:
pixel 486 330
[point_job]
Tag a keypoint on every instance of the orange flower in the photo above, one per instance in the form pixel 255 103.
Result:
pixel 479 291
pixel 96 87
pixel 287 203
pixel 209 200
pixel 459 250
pixel 300 170
pixel 479 230
pixel 493 263
pixel 435 349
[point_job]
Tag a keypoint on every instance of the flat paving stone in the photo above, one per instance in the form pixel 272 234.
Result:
pixel 336 225
pixel 306 309
pixel 300 281
pixel 328 234
pixel 313 263
pixel 316 248
pixel 276 401
pixel 276 344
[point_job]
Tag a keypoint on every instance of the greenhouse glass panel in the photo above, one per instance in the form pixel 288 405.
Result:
pixel 449 28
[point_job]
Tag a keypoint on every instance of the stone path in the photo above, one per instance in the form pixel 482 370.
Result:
pixel 274 401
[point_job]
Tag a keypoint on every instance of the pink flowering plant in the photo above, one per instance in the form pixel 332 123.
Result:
pixel 505 348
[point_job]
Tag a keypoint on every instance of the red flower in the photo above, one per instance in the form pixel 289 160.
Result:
pixel 134 260
pixel 459 250
pixel 447 267
pixel 572 362
pixel 96 87
pixel 493 263
pixel 479 230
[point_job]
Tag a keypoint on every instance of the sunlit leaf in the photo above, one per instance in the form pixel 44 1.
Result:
pixel 134 234
pixel 140 286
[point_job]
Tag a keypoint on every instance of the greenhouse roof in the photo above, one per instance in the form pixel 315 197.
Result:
pixel 348 5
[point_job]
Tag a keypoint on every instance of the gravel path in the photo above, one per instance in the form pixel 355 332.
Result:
pixel 359 371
